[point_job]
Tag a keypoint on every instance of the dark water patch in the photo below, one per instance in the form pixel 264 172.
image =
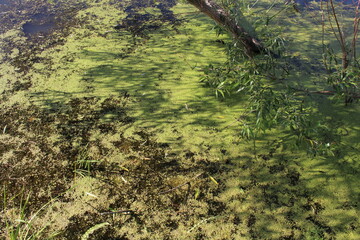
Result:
pixel 31 28
pixel 40 23
pixel 44 25
pixel 140 21
pixel 4 2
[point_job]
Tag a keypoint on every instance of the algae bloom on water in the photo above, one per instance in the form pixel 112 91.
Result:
pixel 108 130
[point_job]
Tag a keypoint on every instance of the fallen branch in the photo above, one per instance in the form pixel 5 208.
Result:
pixel 251 44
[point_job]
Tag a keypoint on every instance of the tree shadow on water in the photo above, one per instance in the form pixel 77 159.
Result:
pixel 163 75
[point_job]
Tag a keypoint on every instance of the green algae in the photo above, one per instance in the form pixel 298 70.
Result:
pixel 179 131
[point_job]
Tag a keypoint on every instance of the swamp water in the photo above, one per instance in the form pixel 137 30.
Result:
pixel 107 132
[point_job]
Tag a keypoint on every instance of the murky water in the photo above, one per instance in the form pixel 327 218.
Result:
pixel 39 24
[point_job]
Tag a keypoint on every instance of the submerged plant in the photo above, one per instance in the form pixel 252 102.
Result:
pixel 83 164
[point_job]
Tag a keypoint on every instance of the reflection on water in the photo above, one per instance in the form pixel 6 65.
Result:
pixel 40 23
pixel 5 2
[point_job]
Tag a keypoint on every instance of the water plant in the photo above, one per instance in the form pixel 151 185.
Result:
pixel 274 103
pixel 343 76
pixel 84 164
pixel 91 230
pixel 22 227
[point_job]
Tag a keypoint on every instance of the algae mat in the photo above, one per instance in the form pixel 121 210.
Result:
pixel 107 133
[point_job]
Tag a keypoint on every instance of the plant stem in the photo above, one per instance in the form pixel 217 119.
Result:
pixel 254 145
pixel 355 30
pixel 341 38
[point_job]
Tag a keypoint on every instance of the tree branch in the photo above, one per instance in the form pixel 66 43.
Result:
pixel 251 44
